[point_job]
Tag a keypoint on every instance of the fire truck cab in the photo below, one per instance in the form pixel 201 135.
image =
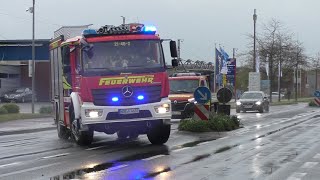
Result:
pixel 111 80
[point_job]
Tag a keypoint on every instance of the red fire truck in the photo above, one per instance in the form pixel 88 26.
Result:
pixel 111 80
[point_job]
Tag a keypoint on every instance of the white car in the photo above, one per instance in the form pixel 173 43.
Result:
pixel 275 95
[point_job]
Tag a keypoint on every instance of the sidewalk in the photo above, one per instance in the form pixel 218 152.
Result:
pixel 26 126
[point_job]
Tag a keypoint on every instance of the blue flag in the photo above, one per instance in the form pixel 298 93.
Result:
pixel 218 68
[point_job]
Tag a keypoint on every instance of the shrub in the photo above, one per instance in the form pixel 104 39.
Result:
pixel 12 108
pixel 3 110
pixel 45 110
pixel 215 123
pixel 312 103
pixel 194 126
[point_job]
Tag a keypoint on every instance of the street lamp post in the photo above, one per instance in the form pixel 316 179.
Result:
pixel 123 20
pixel 32 10
pixel 254 39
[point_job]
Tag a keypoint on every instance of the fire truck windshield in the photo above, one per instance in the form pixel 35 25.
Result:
pixel 123 56
pixel 183 86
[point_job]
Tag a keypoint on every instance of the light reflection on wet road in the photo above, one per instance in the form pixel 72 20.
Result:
pixel 265 145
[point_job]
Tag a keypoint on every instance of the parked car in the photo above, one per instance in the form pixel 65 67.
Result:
pixel 253 101
pixel 275 95
pixel 19 95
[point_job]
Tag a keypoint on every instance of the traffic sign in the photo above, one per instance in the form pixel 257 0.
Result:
pixel 317 93
pixel 202 95
pixel 224 95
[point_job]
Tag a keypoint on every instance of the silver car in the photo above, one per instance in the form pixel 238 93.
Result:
pixel 253 101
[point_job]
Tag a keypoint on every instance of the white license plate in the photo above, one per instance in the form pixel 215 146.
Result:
pixel 176 113
pixel 248 106
pixel 129 111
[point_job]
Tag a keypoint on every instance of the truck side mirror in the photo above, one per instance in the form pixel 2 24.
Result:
pixel 174 62
pixel 173 49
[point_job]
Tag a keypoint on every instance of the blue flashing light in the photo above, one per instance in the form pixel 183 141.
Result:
pixel 115 99
pixel 140 97
pixel 150 29
pixel 89 32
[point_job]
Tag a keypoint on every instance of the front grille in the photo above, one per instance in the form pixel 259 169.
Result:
pixel 179 106
pixel 141 114
pixel 103 97
pixel 248 103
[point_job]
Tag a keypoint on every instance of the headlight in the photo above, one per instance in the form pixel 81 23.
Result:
pixel 17 95
pixel 6 96
pixel 164 108
pixel 238 103
pixel 191 100
pixel 258 103
pixel 93 113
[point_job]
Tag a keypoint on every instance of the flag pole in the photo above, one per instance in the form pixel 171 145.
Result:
pixel 215 68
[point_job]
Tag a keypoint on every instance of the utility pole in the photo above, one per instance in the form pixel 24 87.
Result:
pixel 123 20
pixel 279 73
pixel 254 39
pixel 33 55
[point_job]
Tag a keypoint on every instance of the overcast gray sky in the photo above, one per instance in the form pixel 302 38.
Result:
pixel 200 23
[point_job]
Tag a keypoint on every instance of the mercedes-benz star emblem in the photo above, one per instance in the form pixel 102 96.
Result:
pixel 127 91
pixel 175 101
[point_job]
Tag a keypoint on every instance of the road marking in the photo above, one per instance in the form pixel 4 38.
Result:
pixel 94 148
pixel 203 143
pixel 153 157
pixel 317 156
pixel 296 176
pixel 54 156
pixel 117 167
pixel 27 170
pixel 181 149
pixel 309 164
pixel 11 164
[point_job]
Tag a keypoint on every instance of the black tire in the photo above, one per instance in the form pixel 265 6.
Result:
pixel 261 110
pixel 82 138
pixel 159 134
pixel 122 135
pixel 237 110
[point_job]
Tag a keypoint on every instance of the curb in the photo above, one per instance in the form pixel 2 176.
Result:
pixel 4 133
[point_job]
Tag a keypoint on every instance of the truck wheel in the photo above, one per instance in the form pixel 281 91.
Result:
pixel 122 135
pixel 159 134
pixel 82 138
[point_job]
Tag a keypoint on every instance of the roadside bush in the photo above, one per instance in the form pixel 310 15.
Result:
pixel 45 110
pixel 312 103
pixel 215 123
pixel 3 110
pixel 12 108
pixel 194 126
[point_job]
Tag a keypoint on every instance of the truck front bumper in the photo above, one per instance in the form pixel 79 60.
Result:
pixel 119 114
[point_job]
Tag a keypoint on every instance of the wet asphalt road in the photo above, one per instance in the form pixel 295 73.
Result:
pixel 282 144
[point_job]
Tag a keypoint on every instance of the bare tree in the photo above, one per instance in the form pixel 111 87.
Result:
pixel 277 43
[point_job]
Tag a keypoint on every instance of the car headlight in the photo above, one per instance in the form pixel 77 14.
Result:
pixel 258 103
pixel 238 103
pixel 6 96
pixel 17 95
pixel 164 108
pixel 93 113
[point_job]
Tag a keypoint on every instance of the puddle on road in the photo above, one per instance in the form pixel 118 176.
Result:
pixel 82 173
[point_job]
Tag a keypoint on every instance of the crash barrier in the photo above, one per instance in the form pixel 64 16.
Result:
pixel 201 112
pixel 317 101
